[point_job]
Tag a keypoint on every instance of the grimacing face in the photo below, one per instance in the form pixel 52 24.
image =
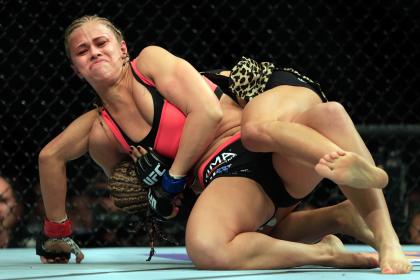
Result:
pixel 95 53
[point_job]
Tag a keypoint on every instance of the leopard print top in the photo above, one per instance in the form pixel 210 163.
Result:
pixel 248 78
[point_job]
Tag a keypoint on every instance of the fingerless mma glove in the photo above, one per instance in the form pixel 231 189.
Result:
pixel 152 171
pixel 151 167
pixel 55 241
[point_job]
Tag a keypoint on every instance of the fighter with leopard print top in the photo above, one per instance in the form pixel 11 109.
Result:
pixel 249 78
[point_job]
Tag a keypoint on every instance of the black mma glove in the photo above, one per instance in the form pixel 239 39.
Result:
pixel 152 171
pixel 185 202
pixel 55 243
pixel 167 206
pixel 161 203
pixel 151 167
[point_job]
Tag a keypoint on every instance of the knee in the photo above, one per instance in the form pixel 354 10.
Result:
pixel 335 112
pixel 206 254
pixel 252 135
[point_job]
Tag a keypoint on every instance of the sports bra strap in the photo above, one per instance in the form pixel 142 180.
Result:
pixel 111 124
pixel 140 75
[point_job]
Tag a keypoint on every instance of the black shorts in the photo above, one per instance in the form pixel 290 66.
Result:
pixel 280 76
pixel 290 77
pixel 233 160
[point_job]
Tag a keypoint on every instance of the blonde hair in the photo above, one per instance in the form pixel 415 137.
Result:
pixel 89 18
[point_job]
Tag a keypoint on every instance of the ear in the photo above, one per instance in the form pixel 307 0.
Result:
pixel 76 71
pixel 123 47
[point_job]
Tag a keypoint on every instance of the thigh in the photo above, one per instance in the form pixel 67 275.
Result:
pixel 299 178
pixel 227 207
pixel 282 103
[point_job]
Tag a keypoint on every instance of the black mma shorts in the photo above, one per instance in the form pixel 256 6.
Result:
pixel 231 159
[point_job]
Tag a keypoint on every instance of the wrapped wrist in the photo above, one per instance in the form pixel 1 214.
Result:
pixel 59 221
pixel 57 230
pixel 176 176
pixel 55 243
pixel 173 184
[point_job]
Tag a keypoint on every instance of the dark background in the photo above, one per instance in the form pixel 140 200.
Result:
pixel 363 53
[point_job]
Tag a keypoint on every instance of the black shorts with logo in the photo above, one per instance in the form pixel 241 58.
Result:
pixel 235 161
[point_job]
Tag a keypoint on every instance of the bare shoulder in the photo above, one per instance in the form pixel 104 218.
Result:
pixel 150 54
pixel 153 59
pixel 89 116
pixel 151 51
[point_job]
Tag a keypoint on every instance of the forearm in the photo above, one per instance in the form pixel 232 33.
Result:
pixel 203 116
pixel 52 174
pixel 68 145
pixel 198 133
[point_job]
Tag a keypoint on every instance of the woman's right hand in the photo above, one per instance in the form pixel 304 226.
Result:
pixel 55 245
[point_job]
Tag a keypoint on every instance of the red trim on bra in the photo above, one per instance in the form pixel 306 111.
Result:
pixel 140 75
pixel 110 123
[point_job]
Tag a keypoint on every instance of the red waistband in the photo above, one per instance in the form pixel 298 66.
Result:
pixel 218 150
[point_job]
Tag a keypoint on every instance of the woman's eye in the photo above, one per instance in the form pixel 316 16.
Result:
pixel 101 44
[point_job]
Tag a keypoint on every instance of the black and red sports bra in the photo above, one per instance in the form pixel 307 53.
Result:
pixel 167 125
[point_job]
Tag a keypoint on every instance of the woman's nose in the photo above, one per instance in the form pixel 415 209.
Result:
pixel 95 53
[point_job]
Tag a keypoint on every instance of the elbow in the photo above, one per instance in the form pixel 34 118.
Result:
pixel 47 154
pixel 218 114
pixel 215 114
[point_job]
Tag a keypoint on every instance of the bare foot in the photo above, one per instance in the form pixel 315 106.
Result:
pixel 352 224
pixel 393 261
pixel 340 258
pixel 350 169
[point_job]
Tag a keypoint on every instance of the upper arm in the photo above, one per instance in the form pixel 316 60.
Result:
pixel 73 141
pixel 177 80
pixel 156 63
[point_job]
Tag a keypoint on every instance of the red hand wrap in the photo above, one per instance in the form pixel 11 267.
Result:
pixel 56 230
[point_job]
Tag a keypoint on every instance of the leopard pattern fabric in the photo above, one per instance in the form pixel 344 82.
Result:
pixel 248 78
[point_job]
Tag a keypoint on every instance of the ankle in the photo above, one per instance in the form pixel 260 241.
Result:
pixel 340 219
pixel 389 244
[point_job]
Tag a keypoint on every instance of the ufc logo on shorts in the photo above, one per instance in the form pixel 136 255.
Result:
pixel 154 176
